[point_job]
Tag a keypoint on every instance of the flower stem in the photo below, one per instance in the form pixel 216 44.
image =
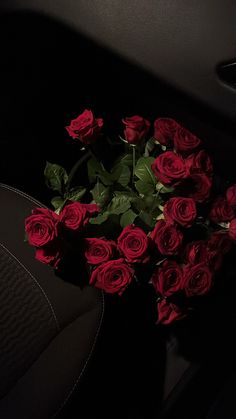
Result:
pixel 134 162
pixel 75 168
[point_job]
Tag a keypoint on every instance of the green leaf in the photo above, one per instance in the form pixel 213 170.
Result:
pixel 126 159
pixel 75 194
pixel 100 194
pixel 144 172
pixel 57 202
pixel 101 218
pixel 123 174
pixel 127 218
pixel 119 205
pixel 144 188
pixel 55 177
pixel 138 203
pixel 147 219
pixel 95 170
pixel 149 147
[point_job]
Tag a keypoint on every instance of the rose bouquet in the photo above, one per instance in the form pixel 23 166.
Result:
pixel 151 215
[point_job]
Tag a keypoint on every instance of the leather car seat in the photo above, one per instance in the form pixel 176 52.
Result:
pixel 48 326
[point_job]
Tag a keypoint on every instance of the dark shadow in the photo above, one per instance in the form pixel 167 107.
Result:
pixel 49 74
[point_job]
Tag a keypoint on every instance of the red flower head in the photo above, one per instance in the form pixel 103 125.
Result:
pixel 167 238
pixel 133 243
pixel 99 250
pixel 50 254
pixel 136 129
pixel 232 229
pixel 200 163
pixel 180 210
pixel 168 279
pixel 185 141
pixel 197 279
pixel 75 215
pixel 113 276
pixel 168 312
pixel 85 127
pixel 41 227
pixel 169 168
pixel 196 252
pixel 164 130
pixel 231 195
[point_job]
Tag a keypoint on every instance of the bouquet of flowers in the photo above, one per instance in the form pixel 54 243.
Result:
pixel 152 215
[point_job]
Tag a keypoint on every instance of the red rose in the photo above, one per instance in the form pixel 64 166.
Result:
pixel 41 227
pixel 133 243
pixel 200 162
pixel 75 215
pixel 196 252
pixel 85 127
pixel 184 140
pixel 197 279
pixel 168 279
pixel 231 195
pixel 99 250
pixel 168 312
pixel 113 276
pixel 180 210
pixel 51 254
pixel 136 129
pixel 169 168
pixel 197 186
pixel 221 211
pixel 167 238
pixel 164 130
pixel 219 241
pixel 232 229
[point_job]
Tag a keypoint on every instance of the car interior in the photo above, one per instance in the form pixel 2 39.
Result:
pixel 68 352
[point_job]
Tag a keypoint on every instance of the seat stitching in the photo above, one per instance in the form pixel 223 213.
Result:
pixel 24 195
pixel 85 364
pixel 36 281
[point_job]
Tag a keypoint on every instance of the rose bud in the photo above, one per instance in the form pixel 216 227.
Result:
pixel 136 129
pixel 185 141
pixel 85 127
pixel 196 252
pixel 164 130
pixel 168 312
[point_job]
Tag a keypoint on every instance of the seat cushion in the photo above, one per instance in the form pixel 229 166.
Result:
pixel 49 326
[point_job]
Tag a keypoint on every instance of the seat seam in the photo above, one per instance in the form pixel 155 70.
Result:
pixel 36 282
pixel 24 195
pixel 85 364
